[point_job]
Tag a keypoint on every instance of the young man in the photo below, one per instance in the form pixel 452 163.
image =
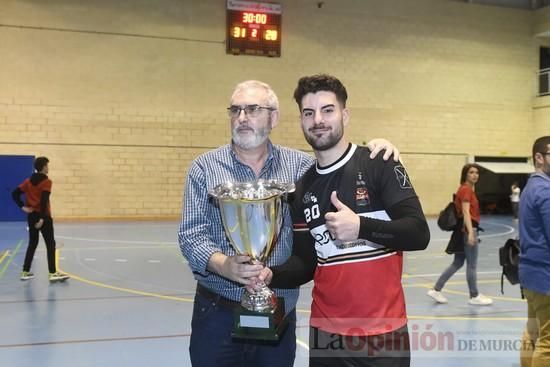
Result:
pixel 534 260
pixel 253 113
pixel 353 217
pixel 37 190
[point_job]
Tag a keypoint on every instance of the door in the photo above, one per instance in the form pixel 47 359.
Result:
pixel 13 170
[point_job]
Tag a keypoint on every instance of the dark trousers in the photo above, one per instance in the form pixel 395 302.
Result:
pixel 385 350
pixel 212 345
pixel 47 234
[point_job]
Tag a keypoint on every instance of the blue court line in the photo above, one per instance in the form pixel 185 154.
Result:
pixel 15 251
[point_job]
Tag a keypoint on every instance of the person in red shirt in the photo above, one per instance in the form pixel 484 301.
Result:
pixel 37 190
pixel 467 207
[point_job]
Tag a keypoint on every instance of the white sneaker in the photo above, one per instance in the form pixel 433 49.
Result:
pixel 480 300
pixel 58 276
pixel 437 296
pixel 26 275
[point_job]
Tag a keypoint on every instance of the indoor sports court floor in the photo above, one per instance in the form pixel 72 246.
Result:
pixel 129 301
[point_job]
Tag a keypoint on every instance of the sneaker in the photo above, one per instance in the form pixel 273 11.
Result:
pixel 53 277
pixel 437 296
pixel 480 300
pixel 26 275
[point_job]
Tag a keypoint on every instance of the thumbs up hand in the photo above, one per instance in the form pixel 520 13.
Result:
pixel 344 223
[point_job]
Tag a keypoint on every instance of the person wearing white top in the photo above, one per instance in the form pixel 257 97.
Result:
pixel 514 199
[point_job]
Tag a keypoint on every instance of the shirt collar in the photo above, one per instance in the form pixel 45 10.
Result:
pixel 339 162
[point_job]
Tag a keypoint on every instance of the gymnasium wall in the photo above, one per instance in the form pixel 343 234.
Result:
pixel 122 95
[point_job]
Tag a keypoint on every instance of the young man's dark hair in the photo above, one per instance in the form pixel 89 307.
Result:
pixel 318 83
pixel 40 163
pixel 465 170
pixel 541 146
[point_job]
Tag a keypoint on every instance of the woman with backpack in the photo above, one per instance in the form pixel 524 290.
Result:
pixel 467 208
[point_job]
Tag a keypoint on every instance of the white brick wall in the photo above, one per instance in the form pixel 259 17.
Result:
pixel 121 117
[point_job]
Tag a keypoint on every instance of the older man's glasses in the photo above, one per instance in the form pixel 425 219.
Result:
pixel 251 110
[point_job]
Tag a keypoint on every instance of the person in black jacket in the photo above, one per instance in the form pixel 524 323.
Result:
pixel 37 190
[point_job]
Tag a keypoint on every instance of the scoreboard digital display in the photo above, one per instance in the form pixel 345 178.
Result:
pixel 253 28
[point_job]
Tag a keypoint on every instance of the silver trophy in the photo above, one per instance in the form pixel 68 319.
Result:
pixel 252 215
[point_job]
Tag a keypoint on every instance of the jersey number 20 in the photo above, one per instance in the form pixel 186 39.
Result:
pixel 312 213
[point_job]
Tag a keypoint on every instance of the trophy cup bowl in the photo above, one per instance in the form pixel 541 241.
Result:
pixel 252 217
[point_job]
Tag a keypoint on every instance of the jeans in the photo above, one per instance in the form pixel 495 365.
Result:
pixel 470 255
pixel 211 343
pixel 535 347
pixel 47 233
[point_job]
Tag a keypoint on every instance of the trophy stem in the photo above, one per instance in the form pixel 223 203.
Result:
pixel 262 300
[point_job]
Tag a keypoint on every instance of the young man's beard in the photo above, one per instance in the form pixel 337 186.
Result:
pixel 327 141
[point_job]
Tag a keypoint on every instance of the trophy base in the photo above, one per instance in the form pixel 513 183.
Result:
pixel 260 325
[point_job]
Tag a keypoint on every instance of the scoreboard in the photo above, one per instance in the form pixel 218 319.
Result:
pixel 253 28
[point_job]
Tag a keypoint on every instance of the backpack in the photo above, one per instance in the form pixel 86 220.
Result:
pixel 509 260
pixel 448 219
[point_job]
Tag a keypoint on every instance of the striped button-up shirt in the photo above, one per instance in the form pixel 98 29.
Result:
pixel 201 231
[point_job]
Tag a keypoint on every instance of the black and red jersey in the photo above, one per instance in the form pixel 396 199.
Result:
pixel 357 285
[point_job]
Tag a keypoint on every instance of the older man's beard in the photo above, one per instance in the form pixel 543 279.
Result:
pixel 250 141
pixel 327 141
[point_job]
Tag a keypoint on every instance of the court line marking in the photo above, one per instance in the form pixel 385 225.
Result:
pixel 306 311
pixel 299 342
pixel 510 230
pixel 111 248
pixel 99 340
pixel 154 295
pixel 125 290
pixel 84 239
pixel 4 255
pixel 15 251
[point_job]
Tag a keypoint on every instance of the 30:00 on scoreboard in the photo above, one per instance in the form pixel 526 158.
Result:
pixel 253 28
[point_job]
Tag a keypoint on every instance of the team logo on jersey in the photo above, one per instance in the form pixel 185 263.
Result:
pixel 402 177
pixel 361 192
pixel 309 198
